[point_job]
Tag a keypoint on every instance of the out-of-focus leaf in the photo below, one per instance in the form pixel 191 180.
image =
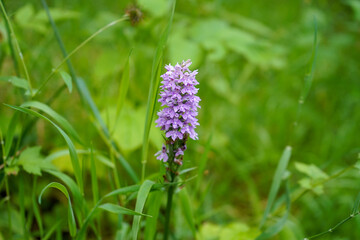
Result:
pixel 157 8
pixel 311 170
pixel 67 79
pixel 32 161
pixel 16 82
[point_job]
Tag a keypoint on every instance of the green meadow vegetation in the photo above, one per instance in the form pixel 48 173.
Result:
pixel 278 154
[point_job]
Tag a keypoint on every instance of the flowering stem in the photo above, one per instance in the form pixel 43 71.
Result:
pixel 170 195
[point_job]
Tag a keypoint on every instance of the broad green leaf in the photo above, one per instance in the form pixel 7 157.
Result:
pixel 67 79
pixel 71 217
pixel 72 150
pixel 119 210
pixel 279 173
pixel 140 203
pixel 32 161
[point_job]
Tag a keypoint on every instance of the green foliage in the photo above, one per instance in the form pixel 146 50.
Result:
pixel 32 161
pixel 261 91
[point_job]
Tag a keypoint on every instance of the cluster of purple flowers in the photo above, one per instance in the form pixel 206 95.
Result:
pixel 178 118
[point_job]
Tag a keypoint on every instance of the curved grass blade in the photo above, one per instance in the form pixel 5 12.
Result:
pixel 120 210
pixel 64 124
pixel 83 90
pixel 72 150
pixel 153 90
pixel 280 170
pixel 278 226
pixel 80 203
pixel 140 203
pixel 154 203
pixel 71 217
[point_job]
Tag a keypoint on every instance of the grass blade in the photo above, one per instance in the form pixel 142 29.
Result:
pixel 64 124
pixel 153 90
pixel 36 208
pixel 71 217
pixel 9 138
pixel 84 91
pixel 72 150
pixel 120 210
pixel 140 203
pixel 356 205
pixel 154 203
pixel 187 210
pixel 94 183
pixel 284 160
pixel 67 79
pixel 52 230
pixel 276 228
pixel 123 89
pixel 310 68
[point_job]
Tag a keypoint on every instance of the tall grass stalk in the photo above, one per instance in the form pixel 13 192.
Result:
pixel 17 46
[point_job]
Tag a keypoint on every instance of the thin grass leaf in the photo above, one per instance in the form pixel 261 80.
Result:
pixel 123 89
pixel 94 183
pixel 278 226
pixel 279 173
pixel 125 190
pixel 310 68
pixel 154 203
pixel 52 230
pixel 68 56
pixel 9 138
pixel 67 79
pixel 71 217
pixel 140 203
pixel 36 208
pixel 356 205
pixel 79 201
pixel 72 150
pixel 153 90
pixel 83 90
pixel 22 206
pixel 187 210
pixel 64 124
pixel 120 210
pixel 17 47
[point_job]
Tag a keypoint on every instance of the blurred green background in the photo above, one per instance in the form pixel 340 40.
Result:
pixel 252 57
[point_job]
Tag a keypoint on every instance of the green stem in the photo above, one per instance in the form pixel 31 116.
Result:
pixel 16 43
pixel 170 195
